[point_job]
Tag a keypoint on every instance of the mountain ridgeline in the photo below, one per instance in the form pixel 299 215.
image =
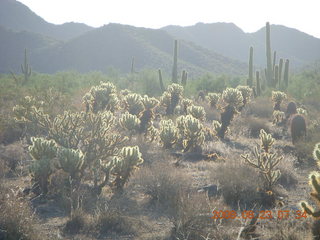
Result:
pixel 229 40
pixel 219 48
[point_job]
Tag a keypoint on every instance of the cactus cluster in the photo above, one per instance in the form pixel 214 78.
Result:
pixel 265 160
pixel 171 98
pixel 71 161
pixel 246 93
pixel 101 98
pixel 278 117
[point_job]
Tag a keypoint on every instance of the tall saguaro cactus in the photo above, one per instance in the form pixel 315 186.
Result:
pixel 25 68
pixel 250 80
pixel 269 71
pixel 286 73
pixel 175 63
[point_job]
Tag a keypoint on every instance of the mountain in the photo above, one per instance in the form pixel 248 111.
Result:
pixel 16 16
pixel 229 40
pixel 111 45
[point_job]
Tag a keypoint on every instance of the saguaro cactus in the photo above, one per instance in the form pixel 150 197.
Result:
pixel 286 73
pixel 184 78
pixel 268 54
pixel 161 81
pixel 175 63
pixel 250 79
pixel 25 68
pixel 258 83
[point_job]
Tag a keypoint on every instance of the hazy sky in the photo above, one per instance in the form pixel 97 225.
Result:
pixel 249 15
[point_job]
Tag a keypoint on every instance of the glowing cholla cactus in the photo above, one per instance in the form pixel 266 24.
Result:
pixel 168 133
pixel 246 93
pixel 129 122
pixel 70 161
pixel 277 98
pixel 149 102
pixel 171 98
pixel 42 152
pixel 42 148
pixel 213 99
pixel 197 112
pixel 129 159
pixel 193 135
pixel 232 97
pixel 216 125
pixel 133 103
pixel 315 184
pixel 102 97
pixel 185 104
pixel 266 140
pixel 278 117
pixel 302 111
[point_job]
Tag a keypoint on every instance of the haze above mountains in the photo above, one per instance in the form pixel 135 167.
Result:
pixel 217 47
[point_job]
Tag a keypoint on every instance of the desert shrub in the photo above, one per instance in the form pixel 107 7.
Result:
pixel 255 125
pixel 193 220
pixel 17 220
pixel 238 183
pixel 164 187
pixel 261 107
pixel 76 222
pixel 109 221
pixel 288 177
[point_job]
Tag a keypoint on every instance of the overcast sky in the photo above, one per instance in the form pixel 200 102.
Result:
pixel 249 15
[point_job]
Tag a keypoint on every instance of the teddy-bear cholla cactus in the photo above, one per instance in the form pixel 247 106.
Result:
pixel 171 98
pixel 246 93
pixel 197 112
pixel 302 111
pixel 128 160
pixel 102 97
pixel 42 152
pixel 213 99
pixel 315 184
pixel 265 160
pixel 232 99
pixel 185 104
pixel 278 117
pixel 216 126
pixel 70 161
pixel 30 112
pixel 168 133
pixel 133 103
pixel 67 129
pixel 129 122
pixel 147 115
pixel 277 98
pixel 193 134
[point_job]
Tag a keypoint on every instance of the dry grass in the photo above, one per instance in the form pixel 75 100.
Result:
pixel 17 220
pixel 260 107
pixel 254 126
pixel 239 184
pixel 164 184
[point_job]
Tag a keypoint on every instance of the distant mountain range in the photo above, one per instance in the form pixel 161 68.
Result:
pixel 229 40
pixel 218 48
